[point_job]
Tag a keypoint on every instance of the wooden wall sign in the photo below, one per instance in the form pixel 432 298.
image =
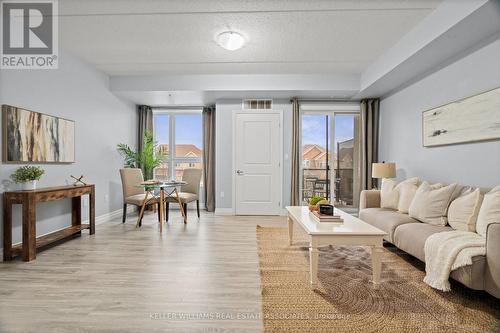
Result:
pixel 475 118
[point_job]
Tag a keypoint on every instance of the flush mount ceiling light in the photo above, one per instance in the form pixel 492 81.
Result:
pixel 230 40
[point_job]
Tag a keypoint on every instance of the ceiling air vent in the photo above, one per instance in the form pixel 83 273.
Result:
pixel 257 104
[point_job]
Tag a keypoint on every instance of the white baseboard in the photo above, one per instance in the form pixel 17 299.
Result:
pixel 224 211
pixel 112 215
pixel 98 220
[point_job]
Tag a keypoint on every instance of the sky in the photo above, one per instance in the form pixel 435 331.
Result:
pixel 314 129
pixel 188 129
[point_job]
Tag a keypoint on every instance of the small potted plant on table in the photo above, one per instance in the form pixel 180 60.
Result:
pixel 27 176
pixel 315 201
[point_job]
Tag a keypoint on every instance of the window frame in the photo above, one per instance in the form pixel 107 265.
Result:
pixel 172 160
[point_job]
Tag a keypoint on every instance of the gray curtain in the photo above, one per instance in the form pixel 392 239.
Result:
pixel 369 141
pixel 209 157
pixel 145 123
pixel 295 179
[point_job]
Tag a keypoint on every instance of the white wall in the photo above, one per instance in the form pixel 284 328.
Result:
pixel 475 164
pixel 78 92
pixel 224 151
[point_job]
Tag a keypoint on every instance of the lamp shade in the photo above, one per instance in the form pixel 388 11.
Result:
pixel 383 170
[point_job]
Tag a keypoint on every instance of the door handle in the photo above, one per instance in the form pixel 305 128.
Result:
pixel 239 172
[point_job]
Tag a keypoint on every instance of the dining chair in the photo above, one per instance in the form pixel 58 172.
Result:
pixel 133 194
pixel 189 192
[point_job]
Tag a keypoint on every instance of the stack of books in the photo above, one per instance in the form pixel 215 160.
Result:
pixel 322 218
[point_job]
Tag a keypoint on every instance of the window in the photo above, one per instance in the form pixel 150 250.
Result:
pixel 182 130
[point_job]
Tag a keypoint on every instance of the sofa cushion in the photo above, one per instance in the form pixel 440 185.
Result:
pixel 411 239
pixel 385 219
pixel 463 211
pixel 489 211
pixel 431 202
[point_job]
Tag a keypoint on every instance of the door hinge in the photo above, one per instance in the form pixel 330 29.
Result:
pixel 279 203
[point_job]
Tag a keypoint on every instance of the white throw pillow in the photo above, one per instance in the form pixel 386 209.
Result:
pixel 489 211
pixel 390 192
pixel 463 211
pixel 407 192
pixel 430 204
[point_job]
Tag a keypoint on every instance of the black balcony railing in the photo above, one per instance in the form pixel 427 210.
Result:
pixel 315 182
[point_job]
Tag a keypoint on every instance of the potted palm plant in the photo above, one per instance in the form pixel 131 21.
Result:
pixel 147 159
pixel 27 176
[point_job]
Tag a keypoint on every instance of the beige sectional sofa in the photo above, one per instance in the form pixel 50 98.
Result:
pixel 409 235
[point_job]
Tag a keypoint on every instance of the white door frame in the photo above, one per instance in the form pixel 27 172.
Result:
pixel 233 167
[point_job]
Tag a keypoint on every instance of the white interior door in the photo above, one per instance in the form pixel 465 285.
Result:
pixel 257 164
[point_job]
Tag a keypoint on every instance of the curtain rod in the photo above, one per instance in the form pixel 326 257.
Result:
pixel 322 100
pixel 180 107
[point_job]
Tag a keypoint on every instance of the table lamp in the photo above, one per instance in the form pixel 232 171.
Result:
pixel 383 170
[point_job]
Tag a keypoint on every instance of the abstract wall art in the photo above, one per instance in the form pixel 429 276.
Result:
pixel 29 136
pixel 471 119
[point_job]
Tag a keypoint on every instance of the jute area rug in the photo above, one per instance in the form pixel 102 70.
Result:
pixel 347 301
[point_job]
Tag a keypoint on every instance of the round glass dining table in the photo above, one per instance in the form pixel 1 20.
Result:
pixel 160 191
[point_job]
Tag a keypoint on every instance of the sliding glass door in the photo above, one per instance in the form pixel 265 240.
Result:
pixel 346 159
pixel 315 156
pixel 330 156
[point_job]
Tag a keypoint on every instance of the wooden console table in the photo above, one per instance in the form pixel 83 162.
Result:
pixel 28 199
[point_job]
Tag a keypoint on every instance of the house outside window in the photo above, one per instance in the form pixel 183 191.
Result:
pixel 182 130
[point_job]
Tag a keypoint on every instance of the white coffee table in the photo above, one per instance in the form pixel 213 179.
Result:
pixel 352 232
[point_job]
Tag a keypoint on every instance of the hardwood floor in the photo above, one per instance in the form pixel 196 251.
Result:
pixel 124 279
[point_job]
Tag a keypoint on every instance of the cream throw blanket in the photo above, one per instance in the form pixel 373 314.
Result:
pixel 447 251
